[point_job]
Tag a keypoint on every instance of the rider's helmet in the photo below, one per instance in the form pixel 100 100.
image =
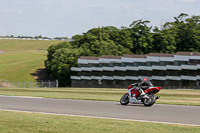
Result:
pixel 144 79
pixel 145 82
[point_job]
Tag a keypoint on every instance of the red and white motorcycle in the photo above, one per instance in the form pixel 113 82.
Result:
pixel 134 95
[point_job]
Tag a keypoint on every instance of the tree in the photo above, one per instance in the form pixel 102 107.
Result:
pixel 59 67
pixel 186 31
pixel 52 49
pixel 100 41
pixel 163 41
pixel 142 37
pixel 78 40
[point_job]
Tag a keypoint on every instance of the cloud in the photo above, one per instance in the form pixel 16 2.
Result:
pixel 46 2
pixel 7 10
pixel 187 0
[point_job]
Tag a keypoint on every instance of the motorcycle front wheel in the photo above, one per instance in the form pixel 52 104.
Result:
pixel 124 99
pixel 150 100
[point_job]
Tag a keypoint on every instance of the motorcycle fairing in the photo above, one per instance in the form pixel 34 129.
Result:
pixel 133 93
pixel 152 90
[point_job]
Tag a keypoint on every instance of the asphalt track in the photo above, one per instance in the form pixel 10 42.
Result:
pixel 189 115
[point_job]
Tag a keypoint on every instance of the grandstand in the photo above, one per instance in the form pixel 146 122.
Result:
pixel 179 70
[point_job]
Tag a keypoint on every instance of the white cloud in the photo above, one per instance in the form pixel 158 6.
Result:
pixel 7 10
pixel 46 2
pixel 187 0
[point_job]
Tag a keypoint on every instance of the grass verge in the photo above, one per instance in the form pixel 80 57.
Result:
pixel 18 65
pixel 22 58
pixel 39 123
pixel 178 97
pixel 14 44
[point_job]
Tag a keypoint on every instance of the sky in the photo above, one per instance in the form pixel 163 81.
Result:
pixel 66 18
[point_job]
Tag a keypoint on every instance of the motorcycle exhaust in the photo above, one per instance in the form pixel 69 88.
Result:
pixel 157 97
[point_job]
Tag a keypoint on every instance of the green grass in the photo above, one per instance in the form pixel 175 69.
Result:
pixel 13 45
pixel 21 58
pixel 18 66
pixel 178 97
pixel 101 94
pixel 13 122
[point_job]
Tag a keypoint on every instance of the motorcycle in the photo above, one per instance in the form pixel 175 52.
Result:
pixel 134 95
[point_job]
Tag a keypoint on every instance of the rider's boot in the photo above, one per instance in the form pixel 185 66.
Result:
pixel 142 92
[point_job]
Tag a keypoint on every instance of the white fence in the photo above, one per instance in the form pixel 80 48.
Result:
pixel 29 84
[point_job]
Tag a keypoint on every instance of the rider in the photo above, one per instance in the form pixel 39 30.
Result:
pixel 145 84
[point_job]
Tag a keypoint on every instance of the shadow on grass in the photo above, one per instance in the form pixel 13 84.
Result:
pixel 40 74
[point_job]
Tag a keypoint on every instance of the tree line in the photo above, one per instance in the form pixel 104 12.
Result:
pixel 39 36
pixel 183 34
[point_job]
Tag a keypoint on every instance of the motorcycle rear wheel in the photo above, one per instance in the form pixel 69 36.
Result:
pixel 150 100
pixel 124 99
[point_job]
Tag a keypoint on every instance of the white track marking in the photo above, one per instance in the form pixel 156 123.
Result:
pixel 21 96
pixel 171 123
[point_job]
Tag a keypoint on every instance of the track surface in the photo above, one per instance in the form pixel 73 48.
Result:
pixel 158 112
